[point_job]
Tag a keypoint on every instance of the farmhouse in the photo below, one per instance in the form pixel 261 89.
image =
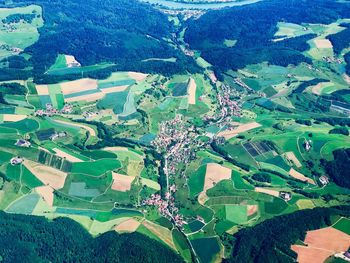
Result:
pixel 343 255
pixel 324 180
pixel 285 195
pixel 58 135
pixel 23 143
pixel 307 145
pixel 16 160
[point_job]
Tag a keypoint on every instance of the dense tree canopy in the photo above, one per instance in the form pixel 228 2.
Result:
pixel 339 168
pixel 347 60
pixel 34 239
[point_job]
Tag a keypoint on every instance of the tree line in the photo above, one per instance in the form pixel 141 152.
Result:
pixel 35 239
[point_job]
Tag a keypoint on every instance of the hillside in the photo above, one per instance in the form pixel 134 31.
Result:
pixel 189 131
pixel 120 32
pixel 35 239
pixel 253 28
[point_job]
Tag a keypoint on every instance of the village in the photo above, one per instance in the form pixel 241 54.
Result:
pixel 50 111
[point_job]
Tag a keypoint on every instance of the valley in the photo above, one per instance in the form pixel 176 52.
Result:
pixel 197 134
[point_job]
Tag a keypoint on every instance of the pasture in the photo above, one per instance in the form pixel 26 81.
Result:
pixel 343 225
pixel 24 205
pixel 206 248
pixel 15 35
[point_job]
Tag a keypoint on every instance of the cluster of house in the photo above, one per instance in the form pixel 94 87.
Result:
pixel 249 89
pixel 166 207
pixel 178 140
pixel 332 60
pixel 169 131
pixel 243 85
pixel 13 50
pixel 9 28
pixel 50 110
pixel 185 13
pixel 228 106
pixel 90 114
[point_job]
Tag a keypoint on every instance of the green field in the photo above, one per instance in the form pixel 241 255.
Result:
pixel 23 34
pixel 206 248
pixel 24 205
pixel 99 167
pixel 343 225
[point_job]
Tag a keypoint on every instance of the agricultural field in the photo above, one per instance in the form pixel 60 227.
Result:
pixel 323 243
pixel 18 34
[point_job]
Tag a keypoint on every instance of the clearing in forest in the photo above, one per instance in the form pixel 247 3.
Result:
pixel 251 210
pixel 85 127
pixel 161 232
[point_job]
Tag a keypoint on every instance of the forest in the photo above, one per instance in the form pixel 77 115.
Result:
pixel 35 239
pixel 341 40
pixel 252 245
pixel 347 60
pixel 254 26
pixel 123 32
pixel 339 168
